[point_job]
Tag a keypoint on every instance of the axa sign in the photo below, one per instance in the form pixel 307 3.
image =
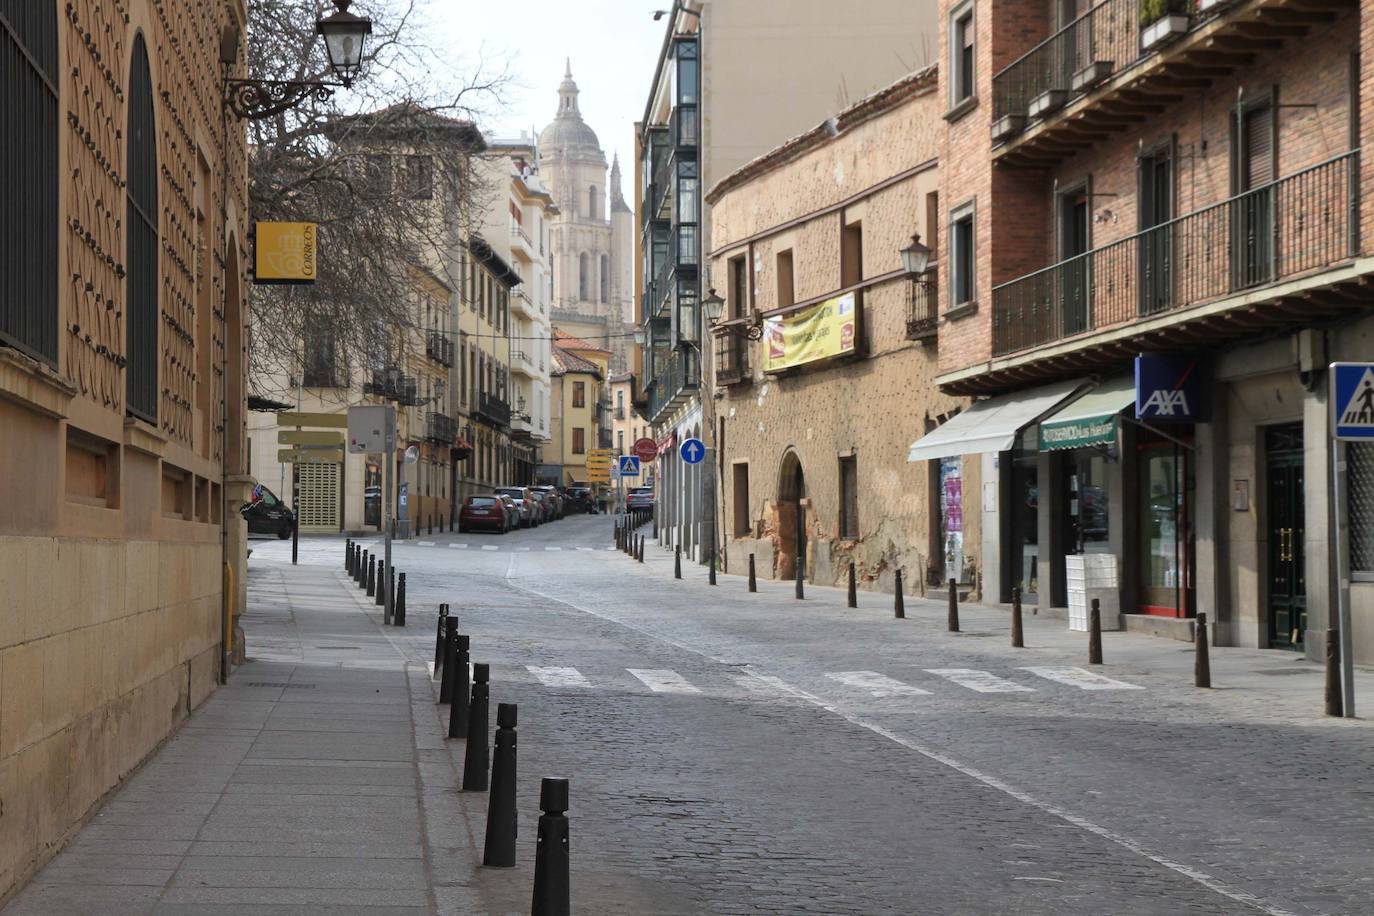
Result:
pixel 1169 389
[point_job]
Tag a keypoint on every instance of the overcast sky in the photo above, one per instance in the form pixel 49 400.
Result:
pixel 613 44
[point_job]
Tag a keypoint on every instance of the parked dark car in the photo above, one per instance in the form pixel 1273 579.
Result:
pixel 528 509
pixel 579 499
pixel 512 511
pixel 559 508
pixel 266 514
pixel 543 505
pixel 485 513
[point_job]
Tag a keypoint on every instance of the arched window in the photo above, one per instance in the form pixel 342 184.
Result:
pixel 141 308
pixel 28 183
pixel 605 278
pixel 593 202
pixel 584 278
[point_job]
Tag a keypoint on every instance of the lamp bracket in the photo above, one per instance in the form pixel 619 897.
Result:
pixel 255 100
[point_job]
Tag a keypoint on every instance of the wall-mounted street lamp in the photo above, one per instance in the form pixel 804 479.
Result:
pixel 714 307
pixel 916 256
pixel 345 35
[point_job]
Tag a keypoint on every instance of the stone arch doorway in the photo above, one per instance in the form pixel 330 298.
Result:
pixel 791 515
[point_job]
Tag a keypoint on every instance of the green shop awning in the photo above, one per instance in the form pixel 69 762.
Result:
pixel 1090 420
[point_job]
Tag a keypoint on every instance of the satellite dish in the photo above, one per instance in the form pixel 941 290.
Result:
pixel 412 454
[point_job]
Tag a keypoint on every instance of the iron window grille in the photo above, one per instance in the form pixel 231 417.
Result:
pixel 141 370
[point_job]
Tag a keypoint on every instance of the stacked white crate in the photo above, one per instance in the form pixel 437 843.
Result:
pixel 1093 575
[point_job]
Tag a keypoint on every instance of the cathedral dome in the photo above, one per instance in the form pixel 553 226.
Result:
pixel 569 132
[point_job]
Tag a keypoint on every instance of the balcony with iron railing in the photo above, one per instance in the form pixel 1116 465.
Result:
pixel 440 428
pixel 523 305
pixel 522 364
pixel 494 410
pixel 674 385
pixel 923 306
pixel 393 385
pixel 732 359
pixel 439 348
pixel 1296 227
pixel 1106 71
pixel 521 243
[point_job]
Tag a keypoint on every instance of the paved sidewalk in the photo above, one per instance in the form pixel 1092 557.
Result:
pixel 316 782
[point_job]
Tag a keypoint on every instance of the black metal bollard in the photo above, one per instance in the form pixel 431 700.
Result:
pixel 711 569
pixel 371 576
pixel 1202 665
pixel 359 566
pixel 381 577
pixel 439 639
pixel 898 596
pixel 552 888
pixel 1095 633
pixel 953 606
pixel 1335 705
pixel 398 600
pixel 499 850
pixel 753 579
pixel 800 575
pixel 853 587
pixel 348 553
pixel 1018 637
pixel 475 762
pixel 462 688
pixel 450 650
pixel 641 548
pixel 677 562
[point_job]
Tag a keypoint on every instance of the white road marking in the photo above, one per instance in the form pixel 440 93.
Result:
pixel 523 549
pixel 1192 873
pixel 458 546
pixel 1080 678
pixel 490 547
pixel 559 677
pixel 425 543
pixel 553 548
pixel 981 681
pixel 880 685
pixel 663 680
pixel 585 549
pixel 430 666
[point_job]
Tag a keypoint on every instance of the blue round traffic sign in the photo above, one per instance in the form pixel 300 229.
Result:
pixel 692 451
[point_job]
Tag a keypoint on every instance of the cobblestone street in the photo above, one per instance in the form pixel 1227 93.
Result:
pixel 729 753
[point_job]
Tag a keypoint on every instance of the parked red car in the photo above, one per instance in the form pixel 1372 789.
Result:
pixel 485 513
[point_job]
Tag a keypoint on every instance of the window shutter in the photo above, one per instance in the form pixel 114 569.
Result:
pixel 1259 147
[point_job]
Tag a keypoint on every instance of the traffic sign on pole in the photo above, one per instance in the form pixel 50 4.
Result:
pixel 645 449
pixel 692 451
pixel 629 466
pixel 1352 400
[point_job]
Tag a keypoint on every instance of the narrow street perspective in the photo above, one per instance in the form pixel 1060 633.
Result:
pixel 686 457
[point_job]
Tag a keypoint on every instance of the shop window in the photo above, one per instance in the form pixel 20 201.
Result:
pixel 1360 481
pixel 849 497
pixel 740 493
pixel 1086 492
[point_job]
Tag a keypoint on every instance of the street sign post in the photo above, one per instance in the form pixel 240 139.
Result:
pixel 1350 390
pixel 645 449
pixel 372 431
pixel 692 451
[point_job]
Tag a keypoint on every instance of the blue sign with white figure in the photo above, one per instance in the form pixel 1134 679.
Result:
pixel 1169 389
pixel 1352 400
pixel 629 466
pixel 692 451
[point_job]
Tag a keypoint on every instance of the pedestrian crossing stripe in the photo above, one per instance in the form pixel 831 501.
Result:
pixel 981 681
pixel 663 680
pixel 1079 677
pixel 558 677
pixel 879 685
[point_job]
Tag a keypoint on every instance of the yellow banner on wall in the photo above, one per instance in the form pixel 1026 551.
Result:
pixel 285 253
pixel 820 331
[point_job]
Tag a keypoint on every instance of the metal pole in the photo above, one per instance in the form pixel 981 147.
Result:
pixel 295 511
pixel 388 481
pixel 1338 463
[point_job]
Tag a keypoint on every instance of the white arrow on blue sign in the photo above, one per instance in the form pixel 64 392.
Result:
pixel 1352 400
pixel 692 451
pixel 629 466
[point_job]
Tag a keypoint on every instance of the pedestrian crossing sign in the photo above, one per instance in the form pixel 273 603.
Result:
pixel 1352 400
pixel 629 466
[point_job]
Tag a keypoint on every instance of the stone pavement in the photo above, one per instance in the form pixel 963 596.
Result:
pixel 303 787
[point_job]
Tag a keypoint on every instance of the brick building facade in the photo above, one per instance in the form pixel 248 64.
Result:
pixel 821 222
pixel 1137 201
pixel 123 205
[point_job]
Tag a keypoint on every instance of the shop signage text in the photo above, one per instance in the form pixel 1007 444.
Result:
pixel 1169 389
pixel 817 332
pixel 284 253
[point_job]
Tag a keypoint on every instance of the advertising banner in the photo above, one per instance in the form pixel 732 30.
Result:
pixel 818 332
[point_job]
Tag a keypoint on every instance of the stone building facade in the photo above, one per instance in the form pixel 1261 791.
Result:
pixel 1177 208
pixel 121 395
pixel 820 223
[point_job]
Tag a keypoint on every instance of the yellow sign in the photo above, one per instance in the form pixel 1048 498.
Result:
pixel 595 475
pixel 309 437
pixel 331 420
pixel 285 253
pixel 820 331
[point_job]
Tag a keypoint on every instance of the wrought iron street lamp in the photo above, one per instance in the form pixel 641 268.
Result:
pixel 714 307
pixel 916 256
pixel 345 36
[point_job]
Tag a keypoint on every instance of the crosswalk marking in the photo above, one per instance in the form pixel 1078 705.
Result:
pixel 585 549
pixel 553 548
pixel 490 547
pixel 559 677
pixel 425 543
pixel 458 546
pixel 981 681
pixel 879 685
pixel 1080 678
pixel 663 680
